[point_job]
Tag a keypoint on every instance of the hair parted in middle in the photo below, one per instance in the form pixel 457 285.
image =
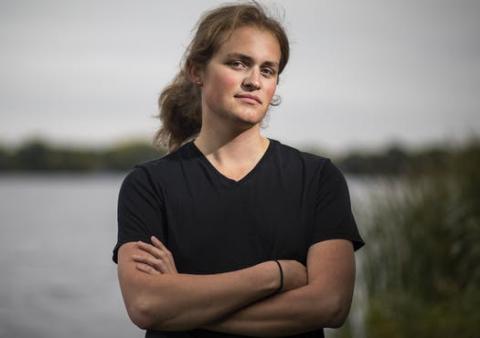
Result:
pixel 180 102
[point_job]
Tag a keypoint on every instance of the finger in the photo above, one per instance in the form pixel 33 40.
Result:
pixel 154 251
pixel 152 262
pixel 166 255
pixel 163 248
pixel 158 264
pixel 146 268
pixel 159 244
pixel 167 265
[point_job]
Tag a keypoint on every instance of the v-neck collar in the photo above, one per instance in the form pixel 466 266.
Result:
pixel 226 179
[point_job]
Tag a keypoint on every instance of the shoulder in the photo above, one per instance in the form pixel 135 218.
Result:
pixel 313 164
pixel 164 166
pixel 157 173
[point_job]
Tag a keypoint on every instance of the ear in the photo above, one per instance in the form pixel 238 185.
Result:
pixel 196 74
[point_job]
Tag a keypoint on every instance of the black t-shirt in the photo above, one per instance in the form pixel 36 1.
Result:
pixel 213 224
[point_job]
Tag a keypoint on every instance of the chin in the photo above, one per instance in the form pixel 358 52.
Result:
pixel 252 118
pixel 245 116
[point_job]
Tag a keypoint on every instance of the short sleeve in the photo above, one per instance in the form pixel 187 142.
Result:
pixel 140 210
pixel 333 218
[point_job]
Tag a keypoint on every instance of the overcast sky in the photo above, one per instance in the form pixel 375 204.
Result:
pixel 361 73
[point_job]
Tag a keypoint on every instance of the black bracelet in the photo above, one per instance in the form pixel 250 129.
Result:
pixel 281 278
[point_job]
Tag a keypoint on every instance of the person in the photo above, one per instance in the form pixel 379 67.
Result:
pixel 232 233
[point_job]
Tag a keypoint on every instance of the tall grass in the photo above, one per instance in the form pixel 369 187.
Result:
pixel 419 274
pixel 422 259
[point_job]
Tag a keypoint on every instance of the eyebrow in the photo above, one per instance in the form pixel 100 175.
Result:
pixel 244 57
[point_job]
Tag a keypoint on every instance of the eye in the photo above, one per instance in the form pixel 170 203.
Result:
pixel 268 71
pixel 237 64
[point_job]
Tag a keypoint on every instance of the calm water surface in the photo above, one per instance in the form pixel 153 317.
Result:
pixel 57 276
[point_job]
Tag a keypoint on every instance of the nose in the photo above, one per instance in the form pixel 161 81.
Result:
pixel 252 80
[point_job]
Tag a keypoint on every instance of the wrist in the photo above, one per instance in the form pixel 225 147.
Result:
pixel 281 277
pixel 268 276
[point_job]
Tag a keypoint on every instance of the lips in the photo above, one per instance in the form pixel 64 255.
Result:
pixel 249 97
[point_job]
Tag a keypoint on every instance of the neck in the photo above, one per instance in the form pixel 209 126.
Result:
pixel 232 148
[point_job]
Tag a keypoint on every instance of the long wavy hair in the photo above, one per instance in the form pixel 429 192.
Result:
pixel 180 110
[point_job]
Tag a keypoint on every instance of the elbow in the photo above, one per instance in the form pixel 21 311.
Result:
pixel 141 315
pixel 339 309
pixel 337 321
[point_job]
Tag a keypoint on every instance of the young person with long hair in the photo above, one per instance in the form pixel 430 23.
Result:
pixel 232 233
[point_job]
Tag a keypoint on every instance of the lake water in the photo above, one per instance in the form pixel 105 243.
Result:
pixel 57 276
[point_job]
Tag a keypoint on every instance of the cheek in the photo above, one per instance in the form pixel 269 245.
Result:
pixel 225 81
pixel 219 85
pixel 270 89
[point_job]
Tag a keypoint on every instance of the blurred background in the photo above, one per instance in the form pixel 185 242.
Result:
pixel 389 91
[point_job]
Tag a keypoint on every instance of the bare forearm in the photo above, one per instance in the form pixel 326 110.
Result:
pixel 323 302
pixel 194 300
pixel 289 313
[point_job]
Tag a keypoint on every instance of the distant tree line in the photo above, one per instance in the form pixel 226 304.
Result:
pixel 39 155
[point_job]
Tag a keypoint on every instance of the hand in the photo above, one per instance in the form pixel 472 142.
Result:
pixel 294 274
pixel 155 259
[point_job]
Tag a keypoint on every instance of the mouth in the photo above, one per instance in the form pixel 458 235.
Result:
pixel 248 98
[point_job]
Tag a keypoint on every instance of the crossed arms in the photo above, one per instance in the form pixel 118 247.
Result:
pixel 238 302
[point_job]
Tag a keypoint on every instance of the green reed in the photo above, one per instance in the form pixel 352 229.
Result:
pixel 420 269
pixel 421 264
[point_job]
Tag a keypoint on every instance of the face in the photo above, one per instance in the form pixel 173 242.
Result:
pixel 241 78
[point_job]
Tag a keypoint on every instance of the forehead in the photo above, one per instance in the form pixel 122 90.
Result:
pixel 257 43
